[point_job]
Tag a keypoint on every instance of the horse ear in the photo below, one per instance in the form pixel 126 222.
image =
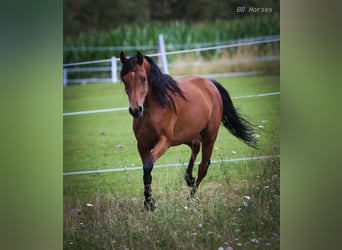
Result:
pixel 140 58
pixel 123 58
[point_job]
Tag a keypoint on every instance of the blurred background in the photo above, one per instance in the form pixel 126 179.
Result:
pixel 99 31
pixel 84 16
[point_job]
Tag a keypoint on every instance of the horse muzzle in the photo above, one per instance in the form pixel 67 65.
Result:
pixel 136 112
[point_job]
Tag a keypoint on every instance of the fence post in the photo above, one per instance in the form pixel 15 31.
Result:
pixel 65 77
pixel 161 46
pixel 114 69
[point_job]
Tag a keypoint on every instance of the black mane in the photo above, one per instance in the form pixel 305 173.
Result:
pixel 162 84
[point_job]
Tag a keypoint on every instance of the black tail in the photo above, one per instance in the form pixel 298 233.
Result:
pixel 236 124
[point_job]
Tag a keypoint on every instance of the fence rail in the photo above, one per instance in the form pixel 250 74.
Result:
pixel 253 158
pixel 167 46
pixel 112 69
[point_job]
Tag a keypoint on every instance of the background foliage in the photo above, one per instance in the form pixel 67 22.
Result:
pixel 111 24
pixel 84 16
pixel 177 35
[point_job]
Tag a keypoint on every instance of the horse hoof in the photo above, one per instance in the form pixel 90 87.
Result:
pixel 149 204
pixel 193 191
pixel 190 181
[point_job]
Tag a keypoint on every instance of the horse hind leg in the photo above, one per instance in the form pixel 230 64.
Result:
pixel 203 167
pixel 208 140
pixel 195 146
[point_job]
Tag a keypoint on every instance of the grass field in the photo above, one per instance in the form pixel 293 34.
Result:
pixel 236 205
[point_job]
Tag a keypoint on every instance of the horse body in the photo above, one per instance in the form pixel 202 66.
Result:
pixel 202 108
pixel 169 113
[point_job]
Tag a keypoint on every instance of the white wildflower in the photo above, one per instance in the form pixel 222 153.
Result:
pixel 254 241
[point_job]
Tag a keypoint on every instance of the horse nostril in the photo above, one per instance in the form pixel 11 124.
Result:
pixel 137 112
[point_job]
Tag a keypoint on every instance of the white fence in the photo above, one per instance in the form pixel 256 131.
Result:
pixel 112 69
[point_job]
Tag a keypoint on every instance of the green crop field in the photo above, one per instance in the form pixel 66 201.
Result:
pixel 237 203
pixel 176 33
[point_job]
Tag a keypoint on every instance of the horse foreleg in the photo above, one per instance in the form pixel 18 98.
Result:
pixel 147 176
pixel 149 201
pixel 159 149
pixel 195 146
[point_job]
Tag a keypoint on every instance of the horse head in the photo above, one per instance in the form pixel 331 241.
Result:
pixel 135 77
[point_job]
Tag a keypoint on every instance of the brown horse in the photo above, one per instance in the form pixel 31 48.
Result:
pixel 169 113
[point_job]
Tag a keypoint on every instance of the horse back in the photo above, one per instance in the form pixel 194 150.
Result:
pixel 202 104
pixel 201 94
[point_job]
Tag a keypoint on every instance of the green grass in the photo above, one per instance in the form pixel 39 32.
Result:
pixel 106 140
pixel 221 214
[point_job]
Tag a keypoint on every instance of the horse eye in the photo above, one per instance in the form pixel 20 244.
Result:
pixel 143 79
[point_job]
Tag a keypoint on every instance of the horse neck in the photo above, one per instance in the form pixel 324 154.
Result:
pixel 150 99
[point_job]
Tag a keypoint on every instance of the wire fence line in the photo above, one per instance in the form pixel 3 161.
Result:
pixel 224 46
pixel 171 165
pixel 96 111
pixel 168 46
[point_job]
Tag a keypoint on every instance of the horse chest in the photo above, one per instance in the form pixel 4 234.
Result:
pixel 146 130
